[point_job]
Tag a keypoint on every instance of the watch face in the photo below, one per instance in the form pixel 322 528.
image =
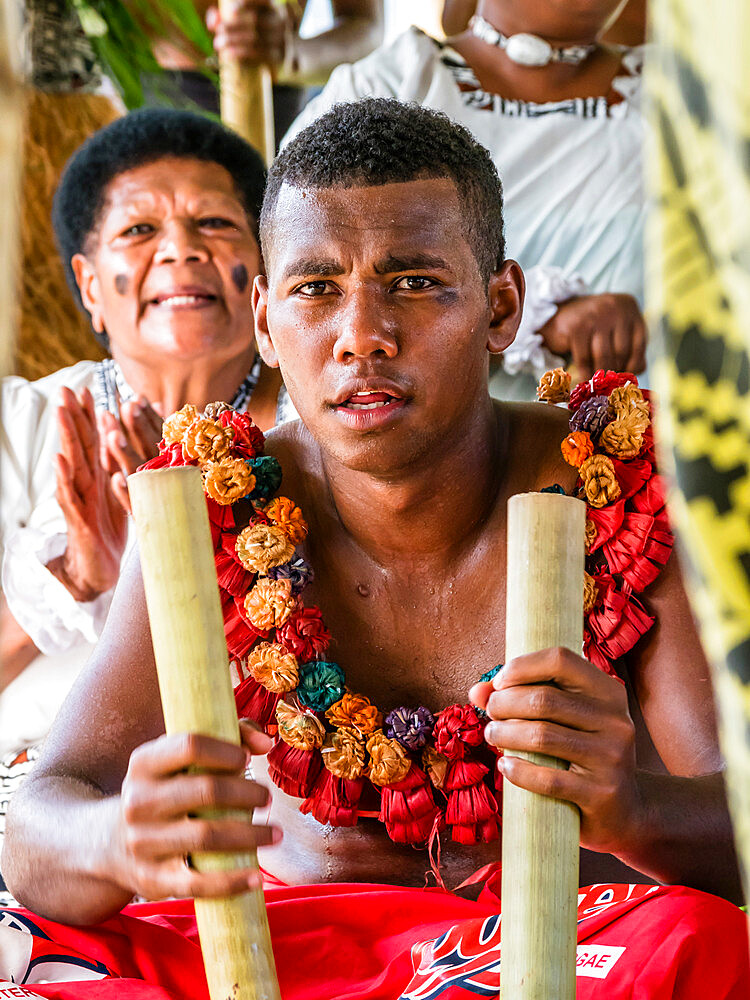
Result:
pixel 528 50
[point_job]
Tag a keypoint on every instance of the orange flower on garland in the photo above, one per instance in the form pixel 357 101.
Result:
pixel 355 711
pixel 554 386
pixel 344 754
pixel 299 727
pixel 591 534
pixel 174 427
pixel 599 481
pixel 273 667
pixel 260 547
pixel 269 603
pixel 207 441
pixel 389 762
pixel 577 447
pixel 228 480
pixel 287 515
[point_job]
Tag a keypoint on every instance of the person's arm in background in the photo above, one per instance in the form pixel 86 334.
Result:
pixel 456 16
pixel 259 32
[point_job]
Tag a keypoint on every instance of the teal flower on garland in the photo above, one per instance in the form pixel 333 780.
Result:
pixel 267 472
pixel 320 684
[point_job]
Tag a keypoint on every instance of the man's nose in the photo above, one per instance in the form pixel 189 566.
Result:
pixel 364 329
pixel 180 242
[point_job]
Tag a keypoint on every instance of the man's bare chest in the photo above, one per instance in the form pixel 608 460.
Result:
pixel 409 636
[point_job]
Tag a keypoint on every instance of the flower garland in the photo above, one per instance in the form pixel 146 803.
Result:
pixel 332 743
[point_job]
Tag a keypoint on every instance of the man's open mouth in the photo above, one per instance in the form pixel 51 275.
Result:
pixel 369 400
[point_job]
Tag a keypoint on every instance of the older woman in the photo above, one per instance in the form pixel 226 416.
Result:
pixel 156 221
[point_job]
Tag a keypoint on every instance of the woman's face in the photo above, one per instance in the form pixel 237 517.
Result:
pixel 169 270
pixel 556 20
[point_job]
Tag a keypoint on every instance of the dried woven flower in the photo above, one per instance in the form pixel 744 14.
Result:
pixel 299 572
pixel 175 426
pixel 591 533
pixel 576 448
pixel 269 603
pixel 623 438
pixel 274 668
pixel 599 481
pixel 389 762
pixel 267 472
pixel 321 683
pixel 299 727
pixel 207 441
pixel 412 727
pixel 554 386
pixel 214 410
pixel 344 754
pixel 435 765
pixel 261 546
pixel 355 711
pixel 626 399
pixel 228 480
pixel 590 593
pixel 592 416
pixel 287 515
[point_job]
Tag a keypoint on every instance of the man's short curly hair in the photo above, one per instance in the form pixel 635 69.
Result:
pixel 382 141
pixel 134 140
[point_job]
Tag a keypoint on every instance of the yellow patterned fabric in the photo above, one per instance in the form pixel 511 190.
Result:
pixel 698 267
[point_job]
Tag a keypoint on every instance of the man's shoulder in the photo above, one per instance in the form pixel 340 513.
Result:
pixel 535 433
pixel 299 456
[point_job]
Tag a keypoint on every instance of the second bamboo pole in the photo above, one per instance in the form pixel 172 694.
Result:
pixel 187 629
pixel 540 834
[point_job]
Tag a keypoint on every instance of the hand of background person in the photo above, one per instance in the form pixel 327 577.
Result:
pixel 128 442
pixel 158 827
pixel 96 523
pixel 255 32
pixel 598 331
pixel 557 703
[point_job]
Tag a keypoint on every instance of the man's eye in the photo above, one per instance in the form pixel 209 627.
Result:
pixel 139 229
pixel 413 283
pixel 313 288
pixel 215 222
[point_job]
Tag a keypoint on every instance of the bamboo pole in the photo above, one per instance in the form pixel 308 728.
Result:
pixel 11 128
pixel 247 98
pixel 184 610
pixel 540 834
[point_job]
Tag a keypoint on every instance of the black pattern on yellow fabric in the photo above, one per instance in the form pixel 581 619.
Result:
pixel 698 289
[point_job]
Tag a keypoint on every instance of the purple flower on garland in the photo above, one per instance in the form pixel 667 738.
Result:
pixel 412 727
pixel 298 572
pixel 592 416
pixel 320 684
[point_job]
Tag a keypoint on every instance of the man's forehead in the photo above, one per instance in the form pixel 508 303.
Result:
pixel 421 214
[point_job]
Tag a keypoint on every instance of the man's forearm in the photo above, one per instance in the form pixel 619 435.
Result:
pixel 59 856
pixel 685 837
pixel 312 60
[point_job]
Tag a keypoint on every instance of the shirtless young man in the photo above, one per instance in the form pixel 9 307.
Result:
pixel 385 262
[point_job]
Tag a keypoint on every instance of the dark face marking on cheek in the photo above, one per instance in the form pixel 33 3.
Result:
pixel 240 277
pixel 122 283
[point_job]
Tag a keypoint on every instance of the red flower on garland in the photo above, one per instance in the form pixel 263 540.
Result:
pixel 601 384
pixel 617 622
pixel 304 634
pixel 458 729
pixel 169 455
pixel 248 439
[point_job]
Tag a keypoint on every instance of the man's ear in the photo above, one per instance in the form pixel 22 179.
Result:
pixel 88 286
pixel 505 292
pixel 260 312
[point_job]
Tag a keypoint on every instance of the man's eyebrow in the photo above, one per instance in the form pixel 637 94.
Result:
pixel 409 262
pixel 321 267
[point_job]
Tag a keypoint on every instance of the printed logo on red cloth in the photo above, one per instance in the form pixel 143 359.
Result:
pixel 595 961
pixel 14 990
pixel 466 956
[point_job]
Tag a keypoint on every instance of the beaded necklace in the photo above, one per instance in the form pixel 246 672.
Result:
pixel 333 745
